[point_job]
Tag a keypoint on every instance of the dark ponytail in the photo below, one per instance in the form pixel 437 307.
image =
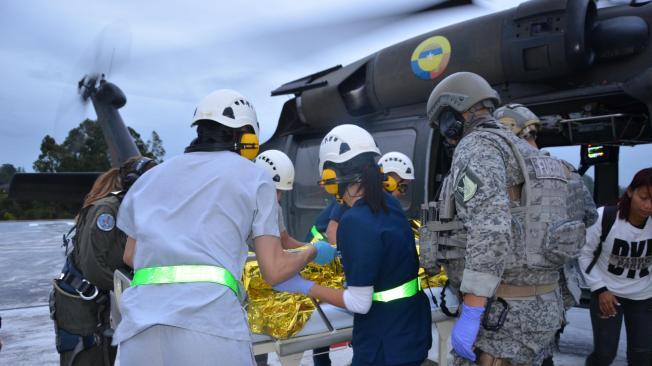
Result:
pixel 372 183
pixel 364 167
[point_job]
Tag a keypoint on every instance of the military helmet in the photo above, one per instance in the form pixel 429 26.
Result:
pixel 518 118
pixel 459 91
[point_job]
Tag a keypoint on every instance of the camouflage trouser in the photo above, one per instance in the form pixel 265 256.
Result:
pixel 529 328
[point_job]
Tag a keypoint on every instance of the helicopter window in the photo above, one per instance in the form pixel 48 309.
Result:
pixel 307 193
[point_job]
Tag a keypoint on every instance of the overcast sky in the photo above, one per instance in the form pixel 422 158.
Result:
pixel 169 54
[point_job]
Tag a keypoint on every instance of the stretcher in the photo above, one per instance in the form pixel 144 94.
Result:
pixel 327 325
pixel 330 325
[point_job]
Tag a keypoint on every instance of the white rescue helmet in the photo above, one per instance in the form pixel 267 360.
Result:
pixel 229 108
pixel 343 143
pixel 399 163
pixel 279 166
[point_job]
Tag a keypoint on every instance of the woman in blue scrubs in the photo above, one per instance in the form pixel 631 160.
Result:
pixel 392 324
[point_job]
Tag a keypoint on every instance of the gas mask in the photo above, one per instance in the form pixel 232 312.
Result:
pixel 451 124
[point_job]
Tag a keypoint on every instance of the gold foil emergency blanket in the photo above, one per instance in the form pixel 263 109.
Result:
pixel 281 314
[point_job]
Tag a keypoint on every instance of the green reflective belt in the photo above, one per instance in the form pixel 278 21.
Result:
pixel 185 274
pixel 315 233
pixel 407 289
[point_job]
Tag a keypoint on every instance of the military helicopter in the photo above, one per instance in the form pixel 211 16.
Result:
pixel 584 70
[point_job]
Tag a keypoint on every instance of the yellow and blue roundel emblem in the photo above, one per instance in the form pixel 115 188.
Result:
pixel 431 57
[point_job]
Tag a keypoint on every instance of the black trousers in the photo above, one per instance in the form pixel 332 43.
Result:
pixel 606 332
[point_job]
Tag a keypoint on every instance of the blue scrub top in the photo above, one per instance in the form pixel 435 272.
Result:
pixel 333 211
pixel 378 250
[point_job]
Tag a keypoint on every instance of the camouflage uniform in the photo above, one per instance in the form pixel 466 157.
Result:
pixel 580 207
pixel 98 251
pixel 483 170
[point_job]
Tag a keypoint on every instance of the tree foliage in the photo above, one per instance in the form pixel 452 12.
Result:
pixel 7 172
pixel 84 150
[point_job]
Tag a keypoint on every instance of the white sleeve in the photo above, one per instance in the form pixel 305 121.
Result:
pixel 125 221
pixel 357 299
pixel 593 233
pixel 266 213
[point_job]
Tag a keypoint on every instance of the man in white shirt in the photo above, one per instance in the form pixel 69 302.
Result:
pixel 187 223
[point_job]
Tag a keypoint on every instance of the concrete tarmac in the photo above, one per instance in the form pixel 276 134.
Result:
pixel 31 256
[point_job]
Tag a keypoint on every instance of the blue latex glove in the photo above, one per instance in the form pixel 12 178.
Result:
pixel 325 253
pixel 466 330
pixel 295 284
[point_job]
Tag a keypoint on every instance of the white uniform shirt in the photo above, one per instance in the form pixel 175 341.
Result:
pixel 624 263
pixel 196 208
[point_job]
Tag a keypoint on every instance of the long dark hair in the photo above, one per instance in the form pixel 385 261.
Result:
pixel 212 132
pixel 109 181
pixel 641 179
pixel 370 178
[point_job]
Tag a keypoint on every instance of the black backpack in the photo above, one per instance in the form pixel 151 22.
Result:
pixel 608 219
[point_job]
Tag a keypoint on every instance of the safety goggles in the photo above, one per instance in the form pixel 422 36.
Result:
pixel 402 187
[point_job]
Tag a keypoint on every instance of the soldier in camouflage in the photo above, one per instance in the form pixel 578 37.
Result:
pixel 510 201
pixel 525 124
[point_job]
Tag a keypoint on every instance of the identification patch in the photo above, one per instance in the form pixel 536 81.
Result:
pixel 105 222
pixel 430 58
pixel 549 168
pixel 467 186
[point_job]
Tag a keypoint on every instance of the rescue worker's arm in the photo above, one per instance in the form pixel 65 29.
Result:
pixel 332 296
pixel 356 299
pixel 333 222
pixel 483 206
pixel 130 249
pixel 331 232
pixel 289 242
pixel 277 265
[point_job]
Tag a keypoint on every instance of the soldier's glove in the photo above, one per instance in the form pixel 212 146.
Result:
pixel 325 253
pixel 466 330
pixel 295 284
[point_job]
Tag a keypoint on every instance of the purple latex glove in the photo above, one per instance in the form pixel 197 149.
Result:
pixel 325 253
pixel 295 284
pixel 466 330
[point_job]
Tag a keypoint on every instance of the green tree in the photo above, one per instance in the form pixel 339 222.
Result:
pixel 7 171
pixel 84 150
pixel 155 146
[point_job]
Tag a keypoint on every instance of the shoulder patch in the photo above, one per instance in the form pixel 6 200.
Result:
pixel 467 186
pixel 546 167
pixel 105 222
